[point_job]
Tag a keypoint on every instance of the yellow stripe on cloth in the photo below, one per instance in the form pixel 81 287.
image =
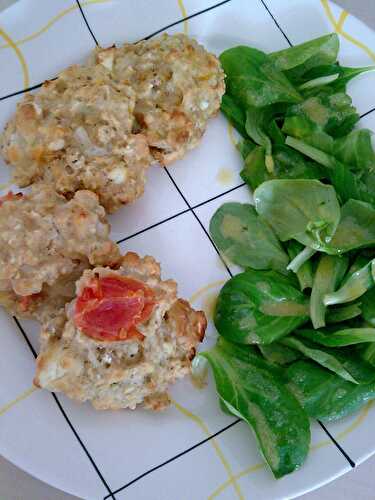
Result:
pixel 338 26
pixel 52 21
pixel 341 435
pixel 4 409
pixel 246 472
pixel 219 453
pixel 25 71
pixel 184 14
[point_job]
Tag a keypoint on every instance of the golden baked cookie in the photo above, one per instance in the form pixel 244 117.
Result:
pixel 100 125
pixel 76 133
pixel 178 86
pixel 45 244
pixel 127 337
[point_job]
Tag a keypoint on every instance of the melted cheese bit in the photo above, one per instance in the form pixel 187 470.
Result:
pixel 118 175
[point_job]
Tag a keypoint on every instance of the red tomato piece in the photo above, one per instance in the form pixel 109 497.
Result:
pixel 10 196
pixel 111 307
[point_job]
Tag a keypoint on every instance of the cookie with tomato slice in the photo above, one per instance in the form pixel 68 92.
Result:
pixel 127 337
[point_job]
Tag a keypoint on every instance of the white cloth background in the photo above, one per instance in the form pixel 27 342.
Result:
pixel 359 484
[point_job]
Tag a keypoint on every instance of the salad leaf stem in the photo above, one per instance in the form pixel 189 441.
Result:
pixel 300 259
pixel 318 82
pixel 339 338
pixel 329 273
pixel 356 285
pixel 305 271
pixel 313 153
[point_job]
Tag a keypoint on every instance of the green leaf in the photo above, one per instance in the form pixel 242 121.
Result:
pixel 320 355
pixel 255 124
pixel 368 306
pixel 259 307
pixel 360 261
pixel 346 74
pixel 343 73
pixel 304 210
pixel 348 358
pixel 251 391
pixel 253 80
pixel 339 338
pixel 255 171
pixel 368 354
pixel 355 149
pixel 225 409
pixel 323 394
pixel 328 275
pixel 234 114
pixel 361 370
pixel 297 60
pixel 278 354
pixel 356 285
pixel 245 239
pixel 347 184
pixel 287 164
pixel 245 147
pixel 318 155
pixel 339 314
pixel 275 133
pixel 356 228
pixel 304 272
pixel 324 113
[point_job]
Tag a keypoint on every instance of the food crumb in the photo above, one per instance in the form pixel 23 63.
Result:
pixel 225 176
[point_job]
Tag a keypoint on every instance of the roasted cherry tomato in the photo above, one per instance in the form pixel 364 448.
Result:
pixel 111 307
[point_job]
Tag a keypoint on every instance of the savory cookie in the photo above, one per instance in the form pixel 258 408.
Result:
pixel 99 126
pixel 126 338
pixel 178 86
pixel 45 244
pixel 76 133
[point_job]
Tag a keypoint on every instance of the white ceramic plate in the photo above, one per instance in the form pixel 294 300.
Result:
pixel 191 451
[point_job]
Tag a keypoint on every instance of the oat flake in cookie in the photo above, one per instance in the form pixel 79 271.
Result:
pixel 127 337
pixel 45 244
pixel 76 133
pixel 178 86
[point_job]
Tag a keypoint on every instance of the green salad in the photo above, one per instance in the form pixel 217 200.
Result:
pixel 297 326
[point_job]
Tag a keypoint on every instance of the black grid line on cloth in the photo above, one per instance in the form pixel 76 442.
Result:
pixel 185 19
pixel 277 24
pixel 198 220
pixel 179 455
pixel 145 38
pixel 23 91
pixel 219 195
pixel 351 462
pixel 67 419
pixel 367 113
pixel 171 217
pixel 87 24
